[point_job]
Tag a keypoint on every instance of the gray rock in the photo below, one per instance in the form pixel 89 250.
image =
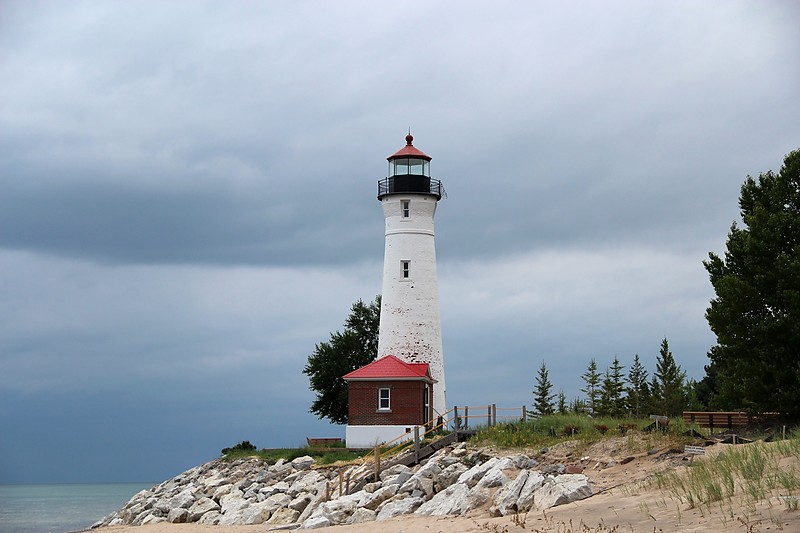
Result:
pixel 300 502
pixel 451 501
pixel 474 474
pixel 232 502
pixel 495 477
pixel 505 499
pixel 448 476
pixel 201 507
pixel 362 515
pixel 284 515
pixel 210 518
pixel 376 498
pixel 303 463
pixel 394 471
pixel 526 495
pixel 178 516
pixel 316 522
pixel 275 488
pixel 395 508
pixel 562 489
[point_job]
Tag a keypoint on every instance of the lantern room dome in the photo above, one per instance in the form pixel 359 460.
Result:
pixel 409 150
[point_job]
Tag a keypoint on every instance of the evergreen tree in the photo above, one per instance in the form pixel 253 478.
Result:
pixel 756 312
pixel 669 395
pixel 592 390
pixel 611 401
pixel 542 396
pixel 346 351
pixel 577 406
pixel 562 408
pixel 637 392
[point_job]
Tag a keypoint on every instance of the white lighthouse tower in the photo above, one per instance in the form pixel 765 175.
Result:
pixel 410 328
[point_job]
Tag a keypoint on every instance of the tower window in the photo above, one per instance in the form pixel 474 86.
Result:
pixel 406 207
pixel 406 266
pixel 383 399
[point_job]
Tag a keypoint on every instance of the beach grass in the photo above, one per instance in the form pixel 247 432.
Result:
pixel 754 473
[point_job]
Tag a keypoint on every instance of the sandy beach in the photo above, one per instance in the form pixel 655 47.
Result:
pixel 624 501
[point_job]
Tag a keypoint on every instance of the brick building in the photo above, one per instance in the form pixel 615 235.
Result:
pixel 386 399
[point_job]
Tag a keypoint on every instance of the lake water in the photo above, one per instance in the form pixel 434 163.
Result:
pixel 61 508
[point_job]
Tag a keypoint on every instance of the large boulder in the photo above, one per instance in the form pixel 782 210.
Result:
pixel 562 489
pixel 201 507
pixel 527 493
pixel 373 500
pixel 302 463
pixel 178 516
pixel 451 501
pixel 362 515
pixel 283 516
pixel 394 508
pixel 505 499
pixel 474 474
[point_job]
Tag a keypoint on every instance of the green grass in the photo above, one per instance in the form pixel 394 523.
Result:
pixel 549 430
pixel 753 471
pixel 322 456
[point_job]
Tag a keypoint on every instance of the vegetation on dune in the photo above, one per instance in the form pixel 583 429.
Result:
pixel 752 473
pixel 549 430
pixel 323 456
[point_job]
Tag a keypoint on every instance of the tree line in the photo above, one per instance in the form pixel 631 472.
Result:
pixel 614 393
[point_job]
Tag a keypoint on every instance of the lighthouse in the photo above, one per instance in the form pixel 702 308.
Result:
pixel 410 328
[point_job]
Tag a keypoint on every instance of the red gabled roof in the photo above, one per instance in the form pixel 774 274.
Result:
pixel 391 368
pixel 409 150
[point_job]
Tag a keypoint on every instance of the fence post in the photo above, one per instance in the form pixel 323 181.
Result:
pixel 456 421
pixel 466 417
pixel 347 483
pixel 416 445
pixel 377 465
pixel 489 415
pixel 494 414
pixel 524 413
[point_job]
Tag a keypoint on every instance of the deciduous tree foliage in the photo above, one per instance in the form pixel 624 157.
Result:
pixel 756 312
pixel 346 351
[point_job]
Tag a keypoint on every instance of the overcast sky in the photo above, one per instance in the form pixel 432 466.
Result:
pixel 188 201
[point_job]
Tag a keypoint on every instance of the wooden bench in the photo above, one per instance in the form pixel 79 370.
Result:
pixel 716 420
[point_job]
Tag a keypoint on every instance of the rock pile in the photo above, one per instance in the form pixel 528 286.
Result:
pixel 453 481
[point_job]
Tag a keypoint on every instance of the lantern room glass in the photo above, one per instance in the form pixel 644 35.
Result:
pixel 409 165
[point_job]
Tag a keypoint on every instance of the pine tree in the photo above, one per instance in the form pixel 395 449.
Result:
pixel 638 392
pixel 542 397
pixel 611 401
pixel 562 408
pixel 592 390
pixel 670 394
pixel 756 311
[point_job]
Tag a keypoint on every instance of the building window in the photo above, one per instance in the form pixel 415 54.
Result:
pixel 406 206
pixel 406 267
pixel 383 400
